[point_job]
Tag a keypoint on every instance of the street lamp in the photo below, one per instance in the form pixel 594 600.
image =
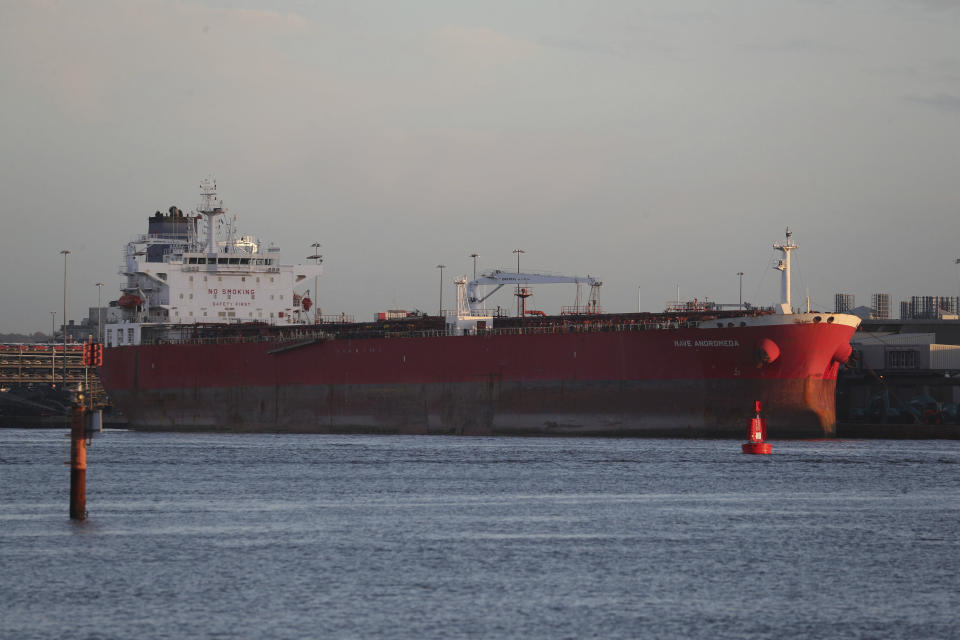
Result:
pixel 99 306
pixel 474 256
pixel 740 273
pixel 53 349
pixel 957 309
pixel 441 267
pixel 65 254
pixel 518 252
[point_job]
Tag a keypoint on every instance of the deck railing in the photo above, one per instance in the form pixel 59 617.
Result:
pixel 320 336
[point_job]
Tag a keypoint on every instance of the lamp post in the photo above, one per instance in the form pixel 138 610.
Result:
pixel 740 273
pixel 474 256
pixel 957 310
pixel 518 252
pixel 99 307
pixel 65 254
pixel 53 348
pixel 441 267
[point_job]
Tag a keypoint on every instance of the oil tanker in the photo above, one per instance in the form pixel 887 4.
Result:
pixel 212 333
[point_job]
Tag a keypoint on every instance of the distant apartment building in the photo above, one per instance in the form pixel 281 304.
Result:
pixel 843 303
pixel 880 303
pixel 928 308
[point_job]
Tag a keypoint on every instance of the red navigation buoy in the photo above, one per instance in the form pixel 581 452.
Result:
pixel 757 434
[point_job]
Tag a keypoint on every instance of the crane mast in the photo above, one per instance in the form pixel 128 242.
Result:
pixel 783 266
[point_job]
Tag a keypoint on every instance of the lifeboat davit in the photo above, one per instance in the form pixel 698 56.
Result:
pixel 129 301
pixel 306 303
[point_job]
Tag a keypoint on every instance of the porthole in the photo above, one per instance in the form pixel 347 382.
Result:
pixel 830 319
pixel 817 318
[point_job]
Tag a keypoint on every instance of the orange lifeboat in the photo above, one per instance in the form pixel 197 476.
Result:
pixel 129 301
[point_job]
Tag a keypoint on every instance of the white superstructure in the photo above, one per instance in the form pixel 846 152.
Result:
pixel 174 277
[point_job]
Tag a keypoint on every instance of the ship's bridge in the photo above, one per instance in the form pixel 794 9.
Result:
pixel 174 277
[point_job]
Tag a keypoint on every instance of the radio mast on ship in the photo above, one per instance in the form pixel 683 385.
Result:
pixel 210 210
pixel 783 266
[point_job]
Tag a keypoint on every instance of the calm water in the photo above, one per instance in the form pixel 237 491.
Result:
pixel 274 536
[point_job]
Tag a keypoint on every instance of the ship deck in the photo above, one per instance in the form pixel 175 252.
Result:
pixel 429 327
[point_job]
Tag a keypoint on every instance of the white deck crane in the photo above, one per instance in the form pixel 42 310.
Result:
pixel 499 279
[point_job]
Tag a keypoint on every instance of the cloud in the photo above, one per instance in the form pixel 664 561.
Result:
pixel 86 56
pixel 941 101
pixel 797 45
pixel 579 45
pixel 934 5
pixel 483 47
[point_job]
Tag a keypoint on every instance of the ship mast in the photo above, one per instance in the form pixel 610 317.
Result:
pixel 783 266
pixel 210 210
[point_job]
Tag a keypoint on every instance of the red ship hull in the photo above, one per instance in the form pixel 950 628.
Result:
pixel 660 382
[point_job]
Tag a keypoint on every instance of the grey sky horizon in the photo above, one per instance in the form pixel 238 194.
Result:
pixel 649 144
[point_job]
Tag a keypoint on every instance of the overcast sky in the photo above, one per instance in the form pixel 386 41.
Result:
pixel 649 144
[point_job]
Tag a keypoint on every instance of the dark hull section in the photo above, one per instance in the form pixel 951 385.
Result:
pixel 674 408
